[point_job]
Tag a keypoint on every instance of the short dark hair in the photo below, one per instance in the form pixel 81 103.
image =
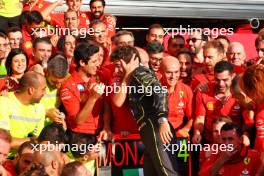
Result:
pixel 223 66
pixel 78 139
pixel 92 1
pixel 97 21
pixel 10 58
pixel 58 66
pixel 155 47
pixel 71 169
pixel 3 35
pixel 175 37
pixel 14 29
pixel 35 169
pixel 125 53
pixel 54 133
pixel 41 40
pixel 25 145
pixel 156 25
pixel 185 51
pixel 34 17
pixel 232 126
pixel 61 42
pixel 83 52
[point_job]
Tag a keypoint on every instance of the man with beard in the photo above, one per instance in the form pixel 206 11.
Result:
pixel 21 112
pixel 156 53
pixel 175 44
pixel 213 53
pixel 218 101
pixel 42 50
pixel 196 42
pixel 23 159
pixel 97 13
pixel 186 62
pixel 236 159
pixel 155 32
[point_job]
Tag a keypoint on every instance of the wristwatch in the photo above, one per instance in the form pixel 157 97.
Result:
pixel 162 120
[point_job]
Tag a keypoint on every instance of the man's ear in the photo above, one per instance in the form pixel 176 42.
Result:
pixel 54 164
pixel 31 90
pixel 82 63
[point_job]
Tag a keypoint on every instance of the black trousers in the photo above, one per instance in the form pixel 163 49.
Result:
pixel 157 162
pixel 6 22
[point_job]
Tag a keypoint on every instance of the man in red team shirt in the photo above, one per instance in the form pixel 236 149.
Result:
pixel 97 13
pixel 236 159
pixel 175 44
pixel 180 97
pixel 196 42
pixel 82 95
pixel 216 102
pixel 186 61
pixel 155 32
pixel 155 51
pixel 212 53
pixel 237 56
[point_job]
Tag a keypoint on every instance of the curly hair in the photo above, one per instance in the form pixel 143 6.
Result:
pixel 252 82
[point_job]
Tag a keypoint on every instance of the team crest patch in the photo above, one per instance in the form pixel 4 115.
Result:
pixel 181 94
pixel 245 172
pixel 83 15
pixel 40 6
pixel 210 106
pixel 28 45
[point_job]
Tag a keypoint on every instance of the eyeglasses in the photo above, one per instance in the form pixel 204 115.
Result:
pixel 192 39
pixel 260 49
pixel 175 45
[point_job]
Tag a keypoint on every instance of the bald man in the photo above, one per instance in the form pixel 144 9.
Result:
pixel 236 55
pixel 180 97
pixel 51 159
pixel 20 111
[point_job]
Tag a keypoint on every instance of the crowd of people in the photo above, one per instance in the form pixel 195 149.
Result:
pixel 54 87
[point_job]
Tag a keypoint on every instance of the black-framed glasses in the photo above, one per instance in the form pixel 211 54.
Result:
pixel 192 39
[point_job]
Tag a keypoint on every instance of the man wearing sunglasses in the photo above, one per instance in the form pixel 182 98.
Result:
pixel 196 42
pixel 175 44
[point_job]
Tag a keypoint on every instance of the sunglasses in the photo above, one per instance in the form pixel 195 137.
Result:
pixel 192 39
pixel 175 45
pixel 260 49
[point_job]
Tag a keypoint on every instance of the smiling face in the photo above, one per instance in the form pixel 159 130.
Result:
pixel 155 61
pixel 223 81
pixel 97 9
pixel 93 64
pixel 211 56
pixel 19 64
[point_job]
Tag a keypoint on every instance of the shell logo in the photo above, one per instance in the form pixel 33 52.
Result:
pixel 28 45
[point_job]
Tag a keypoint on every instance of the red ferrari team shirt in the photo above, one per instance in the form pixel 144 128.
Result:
pixel 74 93
pixel 207 78
pixel 123 119
pixel 180 105
pixel 259 141
pixel 208 105
pixel 249 164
